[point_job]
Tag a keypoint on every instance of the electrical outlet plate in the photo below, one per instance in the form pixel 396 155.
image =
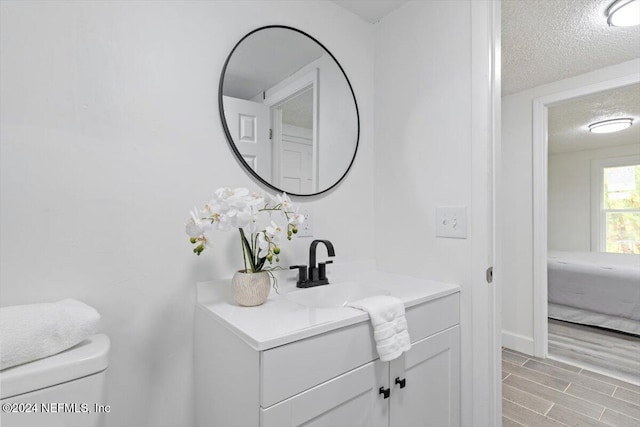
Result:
pixel 451 222
pixel 306 229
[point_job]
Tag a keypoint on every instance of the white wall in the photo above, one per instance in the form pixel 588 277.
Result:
pixel 569 196
pixel 110 133
pixel 517 260
pixel 423 150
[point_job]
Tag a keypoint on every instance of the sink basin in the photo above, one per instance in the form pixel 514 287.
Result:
pixel 334 295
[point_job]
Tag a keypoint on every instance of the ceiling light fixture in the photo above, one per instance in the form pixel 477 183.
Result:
pixel 609 126
pixel 624 13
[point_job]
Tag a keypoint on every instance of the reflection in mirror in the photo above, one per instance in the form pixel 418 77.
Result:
pixel 294 162
pixel 289 111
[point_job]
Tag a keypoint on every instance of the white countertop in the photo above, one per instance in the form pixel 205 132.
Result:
pixel 280 321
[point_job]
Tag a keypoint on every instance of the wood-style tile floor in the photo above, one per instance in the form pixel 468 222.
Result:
pixel 611 353
pixel 544 392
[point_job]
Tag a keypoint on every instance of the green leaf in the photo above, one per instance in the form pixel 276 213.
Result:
pixel 246 251
pixel 260 263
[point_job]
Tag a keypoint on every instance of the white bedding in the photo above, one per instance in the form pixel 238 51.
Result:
pixel 599 283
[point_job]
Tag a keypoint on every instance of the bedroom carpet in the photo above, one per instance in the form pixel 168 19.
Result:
pixel 608 352
pixel 545 392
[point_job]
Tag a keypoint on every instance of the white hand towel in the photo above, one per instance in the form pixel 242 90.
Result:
pixel 33 331
pixel 389 324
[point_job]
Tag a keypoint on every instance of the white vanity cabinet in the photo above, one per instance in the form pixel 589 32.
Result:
pixel 333 378
pixel 430 396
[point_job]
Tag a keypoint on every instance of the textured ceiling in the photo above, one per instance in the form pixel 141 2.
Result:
pixel 543 40
pixel 548 40
pixel 298 111
pixel 265 58
pixel 568 121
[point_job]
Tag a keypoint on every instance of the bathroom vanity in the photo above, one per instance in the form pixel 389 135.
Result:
pixel 288 364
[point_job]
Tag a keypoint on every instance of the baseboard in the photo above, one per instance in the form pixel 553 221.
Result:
pixel 517 342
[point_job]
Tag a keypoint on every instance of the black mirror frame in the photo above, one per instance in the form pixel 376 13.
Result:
pixel 228 134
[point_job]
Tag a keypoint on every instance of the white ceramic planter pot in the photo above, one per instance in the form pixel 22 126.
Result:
pixel 251 289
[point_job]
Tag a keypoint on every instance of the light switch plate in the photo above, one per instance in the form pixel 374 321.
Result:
pixel 451 222
pixel 306 229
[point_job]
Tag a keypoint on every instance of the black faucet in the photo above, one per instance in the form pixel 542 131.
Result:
pixel 317 275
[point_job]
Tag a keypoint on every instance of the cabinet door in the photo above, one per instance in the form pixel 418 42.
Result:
pixel 431 392
pixel 350 400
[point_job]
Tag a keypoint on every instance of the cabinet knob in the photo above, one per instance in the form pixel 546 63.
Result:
pixel 386 392
pixel 402 382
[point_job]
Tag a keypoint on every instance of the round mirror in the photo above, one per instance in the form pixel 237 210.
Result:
pixel 289 111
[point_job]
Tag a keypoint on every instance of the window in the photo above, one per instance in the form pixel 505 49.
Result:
pixel 617 205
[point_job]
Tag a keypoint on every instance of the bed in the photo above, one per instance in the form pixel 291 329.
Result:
pixel 593 288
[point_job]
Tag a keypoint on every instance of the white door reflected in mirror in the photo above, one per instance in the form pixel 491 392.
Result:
pixel 249 123
pixel 293 143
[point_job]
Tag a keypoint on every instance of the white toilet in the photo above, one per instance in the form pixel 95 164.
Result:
pixel 65 390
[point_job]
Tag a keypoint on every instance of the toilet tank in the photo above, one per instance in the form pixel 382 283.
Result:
pixel 66 389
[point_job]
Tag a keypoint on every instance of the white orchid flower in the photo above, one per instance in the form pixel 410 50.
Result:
pixel 265 218
pixel 240 192
pixel 284 201
pixel 194 225
pixel 221 199
pixel 252 225
pixel 223 193
pixel 215 208
pixel 267 199
pixel 297 218
pixel 263 244
pixel 210 207
pixel 241 219
pixel 255 200
pixel 223 223
pixel 273 230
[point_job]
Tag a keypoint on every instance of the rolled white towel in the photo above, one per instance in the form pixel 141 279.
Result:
pixel 33 331
pixel 389 324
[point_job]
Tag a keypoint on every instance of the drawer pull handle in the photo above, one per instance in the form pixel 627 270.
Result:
pixel 386 392
pixel 402 382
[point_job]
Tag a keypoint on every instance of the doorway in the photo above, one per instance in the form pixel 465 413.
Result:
pixel 293 143
pixel 294 121
pixel 541 227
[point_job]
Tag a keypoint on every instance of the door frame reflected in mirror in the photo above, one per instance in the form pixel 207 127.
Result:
pixel 275 100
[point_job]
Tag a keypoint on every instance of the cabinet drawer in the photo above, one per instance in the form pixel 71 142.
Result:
pixel 298 366
pixel 293 368
pixel 351 396
pixel 433 316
